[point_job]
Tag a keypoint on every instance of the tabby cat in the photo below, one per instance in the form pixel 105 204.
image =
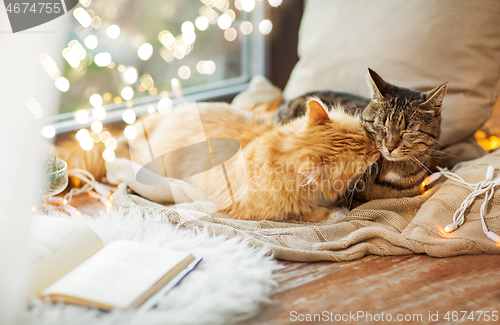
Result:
pixel 405 125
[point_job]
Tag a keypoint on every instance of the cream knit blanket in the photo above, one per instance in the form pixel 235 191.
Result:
pixel 381 227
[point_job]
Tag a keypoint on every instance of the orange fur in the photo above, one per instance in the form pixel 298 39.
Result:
pixel 287 166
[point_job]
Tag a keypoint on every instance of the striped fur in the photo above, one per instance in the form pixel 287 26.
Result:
pixel 405 125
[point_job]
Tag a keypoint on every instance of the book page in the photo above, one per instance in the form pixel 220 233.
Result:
pixel 119 274
pixel 58 246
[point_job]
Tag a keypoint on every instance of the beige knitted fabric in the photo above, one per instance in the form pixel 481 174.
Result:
pixel 381 227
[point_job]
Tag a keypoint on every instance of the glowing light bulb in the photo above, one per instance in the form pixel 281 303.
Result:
pixel 449 228
pixel 275 3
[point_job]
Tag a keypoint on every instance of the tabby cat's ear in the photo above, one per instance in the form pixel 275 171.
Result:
pixel 378 86
pixel 434 98
pixel 316 112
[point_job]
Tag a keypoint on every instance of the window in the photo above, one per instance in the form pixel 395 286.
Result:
pixel 130 54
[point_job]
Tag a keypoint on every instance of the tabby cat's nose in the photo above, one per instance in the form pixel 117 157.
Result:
pixel 391 149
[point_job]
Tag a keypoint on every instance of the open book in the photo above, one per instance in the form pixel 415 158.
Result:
pixel 73 265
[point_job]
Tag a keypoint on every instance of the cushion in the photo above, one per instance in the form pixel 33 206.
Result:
pixel 417 44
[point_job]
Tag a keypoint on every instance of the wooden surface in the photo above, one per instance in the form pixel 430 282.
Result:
pixel 411 285
pixel 414 285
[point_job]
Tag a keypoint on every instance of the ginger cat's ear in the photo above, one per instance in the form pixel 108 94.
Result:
pixel 316 112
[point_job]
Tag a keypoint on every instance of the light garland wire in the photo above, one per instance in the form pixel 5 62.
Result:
pixel 92 187
pixel 486 187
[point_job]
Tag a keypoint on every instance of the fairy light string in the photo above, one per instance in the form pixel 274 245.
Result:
pixel 92 187
pixel 485 187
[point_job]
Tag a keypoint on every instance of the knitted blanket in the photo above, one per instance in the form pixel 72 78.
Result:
pixel 381 227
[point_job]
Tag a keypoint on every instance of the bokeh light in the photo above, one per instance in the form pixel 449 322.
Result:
pixel 96 126
pixel 95 100
pixel 265 27
pixel 91 42
pixel 129 75
pixel 230 34
pixel 113 31
pixel 108 155
pixel 246 27
pixel 201 23
pixel 145 51
pixel 224 21
pixel 184 72
pixel 248 5
pixel 164 106
pixel 49 131
pixel 275 3
pixel 102 59
pixel 127 93
pixel 99 113
pixel 128 116
pixel 81 116
pixel 130 132
pixel 82 134
pixel 62 84
pixel 209 67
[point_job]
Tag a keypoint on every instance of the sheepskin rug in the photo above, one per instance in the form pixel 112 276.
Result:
pixel 229 285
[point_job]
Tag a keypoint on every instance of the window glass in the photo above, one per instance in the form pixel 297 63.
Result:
pixel 126 52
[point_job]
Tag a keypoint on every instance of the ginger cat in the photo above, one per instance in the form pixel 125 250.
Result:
pixel 270 172
pixel 287 166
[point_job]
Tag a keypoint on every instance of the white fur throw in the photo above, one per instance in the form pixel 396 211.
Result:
pixel 227 286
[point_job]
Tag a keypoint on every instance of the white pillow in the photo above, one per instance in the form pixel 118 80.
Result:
pixel 418 44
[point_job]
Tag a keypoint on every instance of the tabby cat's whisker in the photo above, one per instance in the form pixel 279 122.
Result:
pixel 420 163
pixel 445 153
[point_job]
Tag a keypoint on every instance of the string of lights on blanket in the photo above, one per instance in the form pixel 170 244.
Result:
pixel 486 188
pixel 92 187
